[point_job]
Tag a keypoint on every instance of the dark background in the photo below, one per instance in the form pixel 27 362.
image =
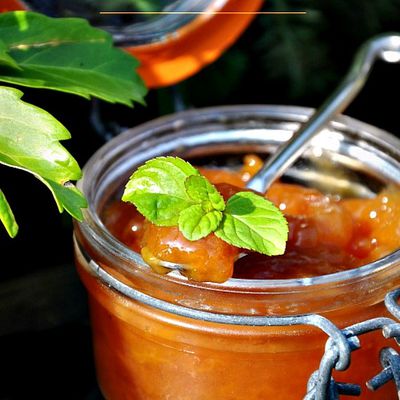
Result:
pixel 296 60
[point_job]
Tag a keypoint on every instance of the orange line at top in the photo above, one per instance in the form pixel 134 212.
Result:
pixel 205 12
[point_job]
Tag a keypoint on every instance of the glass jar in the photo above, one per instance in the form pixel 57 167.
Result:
pixel 171 46
pixel 186 44
pixel 152 336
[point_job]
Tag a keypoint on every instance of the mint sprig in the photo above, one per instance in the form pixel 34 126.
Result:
pixel 168 191
pixel 158 191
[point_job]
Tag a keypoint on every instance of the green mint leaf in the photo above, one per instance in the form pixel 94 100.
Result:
pixel 195 223
pixel 252 222
pixel 68 55
pixel 158 191
pixel 201 190
pixel 7 216
pixel 29 140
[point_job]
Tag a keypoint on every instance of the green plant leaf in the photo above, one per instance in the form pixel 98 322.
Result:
pixel 68 198
pixel 5 59
pixel 29 140
pixel 68 55
pixel 195 223
pixel 158 190
pixel 7 216
pixel 29 137
pixel 201 190
pixel 252 222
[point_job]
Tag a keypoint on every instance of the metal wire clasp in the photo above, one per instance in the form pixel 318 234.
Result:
pixel 322 386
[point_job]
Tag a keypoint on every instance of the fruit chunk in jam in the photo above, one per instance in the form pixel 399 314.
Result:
pixel 326 235
pixel 207 259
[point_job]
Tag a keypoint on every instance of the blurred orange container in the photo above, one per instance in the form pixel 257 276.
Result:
pixel 172 43
pixel 11 5
pixel 181 53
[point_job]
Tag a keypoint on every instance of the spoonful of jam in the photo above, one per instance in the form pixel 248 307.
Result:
pixel 201 230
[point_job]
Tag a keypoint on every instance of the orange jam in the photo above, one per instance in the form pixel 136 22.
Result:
pixel 326 234
pixel 143 353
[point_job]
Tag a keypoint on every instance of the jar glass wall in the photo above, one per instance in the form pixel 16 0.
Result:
pixel 143 352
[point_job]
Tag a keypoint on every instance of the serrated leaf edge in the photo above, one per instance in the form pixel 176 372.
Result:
pixel 278 250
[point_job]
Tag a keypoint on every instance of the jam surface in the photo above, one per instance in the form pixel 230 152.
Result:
pixel 326 234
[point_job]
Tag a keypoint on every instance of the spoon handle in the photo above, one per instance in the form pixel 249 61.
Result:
pixel 386 47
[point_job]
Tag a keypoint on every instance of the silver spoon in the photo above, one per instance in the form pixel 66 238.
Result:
pixel 385 47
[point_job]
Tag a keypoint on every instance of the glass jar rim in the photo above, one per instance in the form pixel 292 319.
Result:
pixel 94 228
